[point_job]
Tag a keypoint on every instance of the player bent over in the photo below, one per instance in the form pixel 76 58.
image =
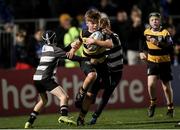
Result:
pixel 44 79
pixel 159 46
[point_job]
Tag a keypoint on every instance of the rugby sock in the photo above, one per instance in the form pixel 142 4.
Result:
pixel 82 113
pixel 170 106
pixel 95 115
pixel 64 110
pixel 83 91
pixel 153 101
pixel 33 117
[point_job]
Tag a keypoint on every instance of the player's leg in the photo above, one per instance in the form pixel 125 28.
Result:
pixel 152 80
pixel 88 82
pixel 63 100
pixel 153 73
pixel 169 97
pixel 114 81
pixel 178 124
pixel 104 100
pixel 88 100
pixel 91 76
pixel 166 77
pixel 38 107
pixel 41 103
pixel 103 75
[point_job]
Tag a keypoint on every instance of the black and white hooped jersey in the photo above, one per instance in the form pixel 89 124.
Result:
pixel 115 55
pixel 48 62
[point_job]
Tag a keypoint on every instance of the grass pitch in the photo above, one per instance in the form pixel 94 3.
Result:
pixel 110 119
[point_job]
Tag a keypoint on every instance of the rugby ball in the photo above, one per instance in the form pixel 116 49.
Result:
pixel 98 36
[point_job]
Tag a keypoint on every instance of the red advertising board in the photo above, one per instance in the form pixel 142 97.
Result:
pixel 18 94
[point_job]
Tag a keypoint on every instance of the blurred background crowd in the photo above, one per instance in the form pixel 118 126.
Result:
pixel 22 23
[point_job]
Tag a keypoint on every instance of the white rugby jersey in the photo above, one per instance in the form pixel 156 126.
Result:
pixel 49 61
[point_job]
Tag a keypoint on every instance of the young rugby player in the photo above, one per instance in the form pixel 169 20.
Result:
pixel 94 69
pixel 156 52
pixel 114 62
pixel 44 79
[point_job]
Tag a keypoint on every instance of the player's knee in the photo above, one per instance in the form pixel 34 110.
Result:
pixel 43 101
pixel 167 88
pixel 151 84
pixel 64 98
pixel 90 95
pixel 92 75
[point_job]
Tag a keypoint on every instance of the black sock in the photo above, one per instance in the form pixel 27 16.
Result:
pixel 83 112
pixel 64 110
pixel 170 106
pixel 153 101
pixel 33 117
pixel 95 115
pixel 83 91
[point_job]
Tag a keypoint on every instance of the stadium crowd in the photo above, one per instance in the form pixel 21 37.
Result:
pixel 128 19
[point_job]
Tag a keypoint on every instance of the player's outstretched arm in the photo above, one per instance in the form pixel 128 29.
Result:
pixel 60 53
pixel 75 46
pixel 79 58
pixel 107 43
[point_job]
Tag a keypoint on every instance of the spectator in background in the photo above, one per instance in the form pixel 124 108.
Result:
pixel 71 36
pixel 164 5
pixel 176 57
pixel 121 27
pixel 61 30
pixel 108 7
pixel 22 58
pixel 8 27
pixel 7 46
pixel 135 35
pixel 5 13
pixel 148 6
pixel 38 42
pixel 81 21
pixel 34 44
pixel 6 39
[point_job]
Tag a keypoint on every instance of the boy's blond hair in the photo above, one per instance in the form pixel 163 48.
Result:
pixel 104 23
pixel 92 15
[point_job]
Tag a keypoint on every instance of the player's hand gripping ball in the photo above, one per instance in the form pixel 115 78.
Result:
pixel 97 36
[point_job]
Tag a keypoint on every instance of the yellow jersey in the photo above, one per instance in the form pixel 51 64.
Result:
pixel 97 55
pixel 158 53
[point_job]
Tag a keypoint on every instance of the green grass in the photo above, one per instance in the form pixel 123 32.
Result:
pixel 120 119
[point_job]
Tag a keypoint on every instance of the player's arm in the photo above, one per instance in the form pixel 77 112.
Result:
pixel 168 40
pixel 170 46
pixel 115 39
pixel 143 49
pixel 107 43
pixel 74 47
pixel 60 53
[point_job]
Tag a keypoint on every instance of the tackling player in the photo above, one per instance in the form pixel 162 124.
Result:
pixel 114 62
pixel 44 79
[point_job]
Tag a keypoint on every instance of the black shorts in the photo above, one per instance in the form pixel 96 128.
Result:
pixel 102 80
pixel 162 70
pixel 87 67
pixel 45 85
pixel 115 78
